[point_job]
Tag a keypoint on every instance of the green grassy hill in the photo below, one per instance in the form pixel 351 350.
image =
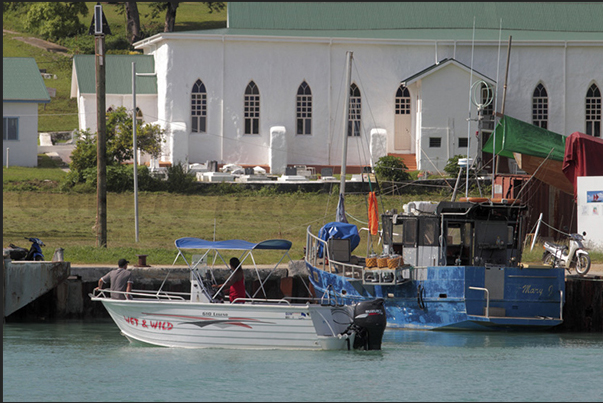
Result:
pixel 61 113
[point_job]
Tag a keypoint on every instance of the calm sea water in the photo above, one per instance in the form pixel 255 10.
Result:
pixel 91 361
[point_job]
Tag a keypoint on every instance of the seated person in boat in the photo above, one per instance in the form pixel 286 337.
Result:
pixel 236 282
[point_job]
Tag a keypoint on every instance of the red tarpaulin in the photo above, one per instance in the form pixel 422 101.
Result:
pixel 583 157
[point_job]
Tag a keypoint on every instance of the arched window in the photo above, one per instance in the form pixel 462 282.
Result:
pixel 487 95
pixel 252 109
pixel 593 111
pixel 540 107
pixel 354 122
pixel 199 108
pixel 304 109
pixel 402 101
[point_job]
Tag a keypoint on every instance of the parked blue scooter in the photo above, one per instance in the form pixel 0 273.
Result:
pixel 34 252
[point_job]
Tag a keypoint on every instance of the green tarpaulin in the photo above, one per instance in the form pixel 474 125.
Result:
pixel 515 136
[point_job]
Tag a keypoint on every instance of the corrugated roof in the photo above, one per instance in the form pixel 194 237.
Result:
pixel 401 34
pixel 22 81
pixel 525 16
pixel 118 74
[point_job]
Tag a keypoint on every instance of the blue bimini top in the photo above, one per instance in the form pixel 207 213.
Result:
pixel 232 244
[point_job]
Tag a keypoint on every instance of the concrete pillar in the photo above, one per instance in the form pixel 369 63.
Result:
pixel 278 150
pixel 70 298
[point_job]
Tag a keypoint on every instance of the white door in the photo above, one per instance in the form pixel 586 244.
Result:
pixel 402 121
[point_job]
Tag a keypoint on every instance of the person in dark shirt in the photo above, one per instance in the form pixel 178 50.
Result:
pixel 120 279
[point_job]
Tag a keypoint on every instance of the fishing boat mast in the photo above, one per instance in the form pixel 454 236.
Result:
pixel 346 112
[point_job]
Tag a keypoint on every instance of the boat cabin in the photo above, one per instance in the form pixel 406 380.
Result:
pixel 463 233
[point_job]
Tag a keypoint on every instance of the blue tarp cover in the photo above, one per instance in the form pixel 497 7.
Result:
pixel 232 244
pixel 339 230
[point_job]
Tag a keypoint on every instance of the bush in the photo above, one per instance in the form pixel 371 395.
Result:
pixel 392 168
pixel 180 181
pixel 148 182
pixel 452 167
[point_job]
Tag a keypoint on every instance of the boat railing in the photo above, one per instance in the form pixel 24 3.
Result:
pixel 487 298
pixel 142 294
pixel 325 262
pixel 331 301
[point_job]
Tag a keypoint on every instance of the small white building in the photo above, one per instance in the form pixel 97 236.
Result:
pixel 118 87
pixel 268 89
pixel 23 89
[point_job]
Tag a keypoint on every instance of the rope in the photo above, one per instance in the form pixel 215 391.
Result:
pixel 553 228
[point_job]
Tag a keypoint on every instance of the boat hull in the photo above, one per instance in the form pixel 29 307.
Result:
pixel 242 326
pixel 453 297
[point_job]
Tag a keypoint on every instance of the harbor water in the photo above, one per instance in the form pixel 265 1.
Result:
pixel 91 361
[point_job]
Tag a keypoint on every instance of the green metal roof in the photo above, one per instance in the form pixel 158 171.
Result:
pixel 22 81
pixel 524 21
pixel 411 21
pixel 118 74
pixel 528 16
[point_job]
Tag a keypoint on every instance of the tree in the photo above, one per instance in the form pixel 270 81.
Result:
pixel 132 22
pixel 170 11
pixel 54 20
pixel 119 141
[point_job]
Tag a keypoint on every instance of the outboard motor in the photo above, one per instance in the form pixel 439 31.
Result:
pixel 369 324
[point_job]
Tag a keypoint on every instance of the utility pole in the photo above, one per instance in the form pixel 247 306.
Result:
pixel 134 122
pixel 101 134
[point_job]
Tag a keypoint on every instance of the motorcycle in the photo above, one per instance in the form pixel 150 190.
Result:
pixel 34 252
pixel 575 256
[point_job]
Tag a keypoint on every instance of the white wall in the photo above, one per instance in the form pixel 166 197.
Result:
pixel 24 151
pixel 445 109
pixel 590 212
pixel 87 108
pixel 279 65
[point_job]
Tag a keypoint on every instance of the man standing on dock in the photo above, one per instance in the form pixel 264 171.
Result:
pixel 120 280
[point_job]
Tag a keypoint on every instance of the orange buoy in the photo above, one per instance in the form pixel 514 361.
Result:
pixel 473 199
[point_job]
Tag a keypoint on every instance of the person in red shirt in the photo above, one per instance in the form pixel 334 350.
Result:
pixel 236 282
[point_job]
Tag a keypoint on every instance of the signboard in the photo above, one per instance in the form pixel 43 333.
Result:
pixel 99 25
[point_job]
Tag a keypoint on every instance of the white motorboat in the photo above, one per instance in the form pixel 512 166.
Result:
pixel 201 319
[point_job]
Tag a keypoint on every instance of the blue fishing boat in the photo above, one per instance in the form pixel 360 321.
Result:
pixel 447 265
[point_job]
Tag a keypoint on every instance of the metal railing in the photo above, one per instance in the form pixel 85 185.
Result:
pixel 146 294
pixel 182 296
pixel 348 270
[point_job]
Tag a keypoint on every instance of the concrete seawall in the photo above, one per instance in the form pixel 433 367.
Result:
pixel 582 312
pixel 25 281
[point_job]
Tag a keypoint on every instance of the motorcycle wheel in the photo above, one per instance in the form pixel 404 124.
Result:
pixel 39 259
pixel 582 264
pixel 548 258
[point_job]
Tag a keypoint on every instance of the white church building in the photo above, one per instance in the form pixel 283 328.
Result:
pixel 268 90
